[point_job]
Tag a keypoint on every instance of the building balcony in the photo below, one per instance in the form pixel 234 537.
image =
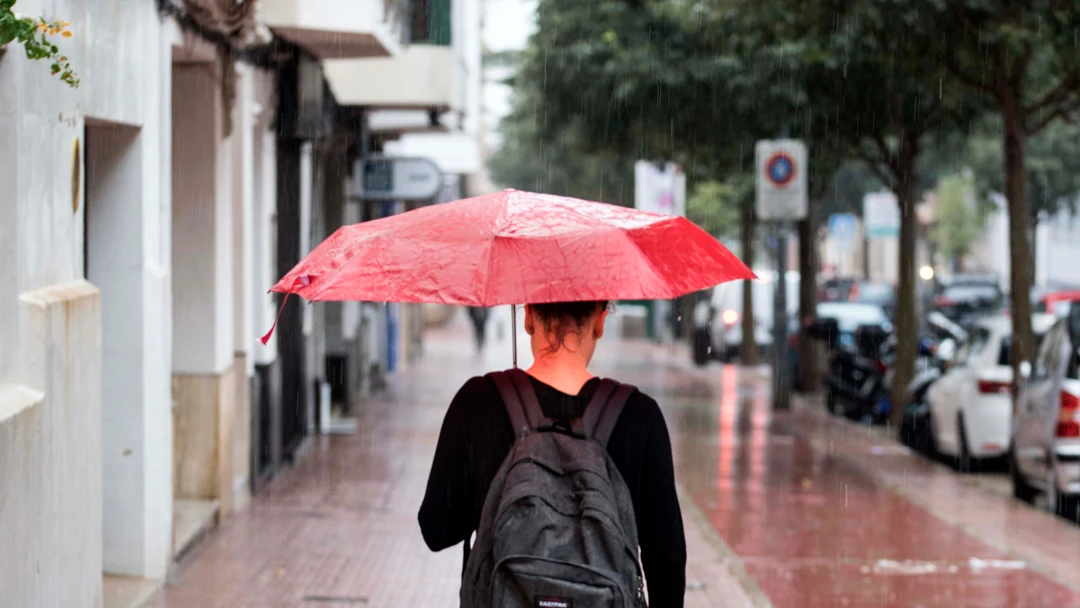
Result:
pixel 339 29
pixel 423 76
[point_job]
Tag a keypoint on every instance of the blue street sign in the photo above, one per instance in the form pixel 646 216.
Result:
pixel 780 168
pixel 842 229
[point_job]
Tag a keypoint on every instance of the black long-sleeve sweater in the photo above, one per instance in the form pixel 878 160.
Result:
pixel 476 437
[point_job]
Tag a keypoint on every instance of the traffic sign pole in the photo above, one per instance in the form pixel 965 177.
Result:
pixel 781 198
pixel 781 384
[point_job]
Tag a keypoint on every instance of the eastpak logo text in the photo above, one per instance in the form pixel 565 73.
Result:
pixel 554 602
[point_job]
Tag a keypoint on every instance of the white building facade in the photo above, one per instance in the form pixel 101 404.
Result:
pixel 85 425
pixel 140 230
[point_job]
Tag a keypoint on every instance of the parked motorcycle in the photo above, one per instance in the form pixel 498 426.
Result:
pixel 856 382
pixel 915 425
pixel 935 353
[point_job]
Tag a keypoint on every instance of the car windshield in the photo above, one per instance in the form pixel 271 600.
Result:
pixel 875 293
pixel 851 316
pixel 971 292
pixel 1005 356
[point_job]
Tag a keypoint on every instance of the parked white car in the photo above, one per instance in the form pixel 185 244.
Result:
pixel 727 307
pixel 1046 429
pixel 971 405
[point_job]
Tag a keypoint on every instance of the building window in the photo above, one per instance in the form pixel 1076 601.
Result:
pixel 431 22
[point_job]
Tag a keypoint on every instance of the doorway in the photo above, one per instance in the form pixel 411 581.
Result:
pixel 136 493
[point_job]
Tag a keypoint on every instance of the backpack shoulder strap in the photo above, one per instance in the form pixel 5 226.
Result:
pixel 604 409
pixel 533 412
pixel 520 400
pixel 512 402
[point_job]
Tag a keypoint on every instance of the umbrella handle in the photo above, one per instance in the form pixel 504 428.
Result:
pixel 266 338
pixel 513 331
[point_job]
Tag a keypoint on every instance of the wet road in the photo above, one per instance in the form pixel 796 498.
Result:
pixel 784 509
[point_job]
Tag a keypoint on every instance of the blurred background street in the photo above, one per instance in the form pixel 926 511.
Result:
pixel 888 415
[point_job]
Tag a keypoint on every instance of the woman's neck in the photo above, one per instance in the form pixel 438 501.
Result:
pixel 565 371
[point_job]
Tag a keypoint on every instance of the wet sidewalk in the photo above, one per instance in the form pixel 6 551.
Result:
pixel 789 509
pixel 825 513
pixel 340 528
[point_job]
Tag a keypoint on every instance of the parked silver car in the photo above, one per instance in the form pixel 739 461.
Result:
pixel 1045 453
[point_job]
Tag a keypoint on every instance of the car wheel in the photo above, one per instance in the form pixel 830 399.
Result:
pixel 1065 505
pixel 1021 489
pixel 1068 506
pixel 833 404
pixel 726 355
pixel 702 348
pixel 915 429
pixel 964 459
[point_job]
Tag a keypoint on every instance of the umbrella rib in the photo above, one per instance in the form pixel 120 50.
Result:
pixel 490 256
pixel 648 260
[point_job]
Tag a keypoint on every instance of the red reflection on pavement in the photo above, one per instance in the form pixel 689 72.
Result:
pixel 813 530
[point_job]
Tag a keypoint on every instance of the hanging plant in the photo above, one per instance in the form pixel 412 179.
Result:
pixel 34 35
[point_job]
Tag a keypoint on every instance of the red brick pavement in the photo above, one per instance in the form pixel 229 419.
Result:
pixel 785 509
pixel 340 528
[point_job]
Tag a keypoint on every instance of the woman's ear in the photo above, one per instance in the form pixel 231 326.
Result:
pixel 530 322
pixel 598 328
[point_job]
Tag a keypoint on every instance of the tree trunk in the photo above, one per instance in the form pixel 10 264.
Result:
pixel 808 359
pixel 1020 254
pixel 1034 244
pixel 906 323
pixel 748 353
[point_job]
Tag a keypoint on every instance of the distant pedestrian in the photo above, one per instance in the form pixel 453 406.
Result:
pixel 579 470
pixel 479 317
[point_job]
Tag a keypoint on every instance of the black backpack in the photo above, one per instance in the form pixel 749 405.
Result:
pixel 557 528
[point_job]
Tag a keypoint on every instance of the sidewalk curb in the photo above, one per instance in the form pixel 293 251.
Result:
pixel 728 556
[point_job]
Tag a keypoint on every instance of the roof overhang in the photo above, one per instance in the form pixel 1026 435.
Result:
pixel 421 77
pixel 335 29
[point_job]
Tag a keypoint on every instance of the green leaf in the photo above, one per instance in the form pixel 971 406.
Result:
pixel 8 31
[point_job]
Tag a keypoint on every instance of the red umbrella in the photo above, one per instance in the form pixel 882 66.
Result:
pixel 514 247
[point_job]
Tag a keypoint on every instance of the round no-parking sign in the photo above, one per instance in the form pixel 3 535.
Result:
pixel 781 179
pixel 780 169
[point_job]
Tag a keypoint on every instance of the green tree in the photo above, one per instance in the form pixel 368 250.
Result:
pixel 871 90
pixel 718 206
pixel 960 218
pixel 1023 58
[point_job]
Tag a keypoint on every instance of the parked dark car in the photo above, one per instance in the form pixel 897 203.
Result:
pixel 966 298
pixel 836 290
pixel 876 293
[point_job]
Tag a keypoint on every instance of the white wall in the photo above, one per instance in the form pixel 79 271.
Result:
pixel 50 321
pixel 243 199
pixel 264 232
pixel 468 48
pixel 202 291
pixel 1057 245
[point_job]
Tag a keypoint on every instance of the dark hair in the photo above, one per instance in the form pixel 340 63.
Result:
pixel 562 318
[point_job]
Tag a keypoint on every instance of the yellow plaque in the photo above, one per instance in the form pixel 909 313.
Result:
pixel 76 175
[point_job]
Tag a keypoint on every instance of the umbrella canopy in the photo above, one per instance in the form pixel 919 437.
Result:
pixel 514 247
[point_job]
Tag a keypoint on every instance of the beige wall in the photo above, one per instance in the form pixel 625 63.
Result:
pixel 50 454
